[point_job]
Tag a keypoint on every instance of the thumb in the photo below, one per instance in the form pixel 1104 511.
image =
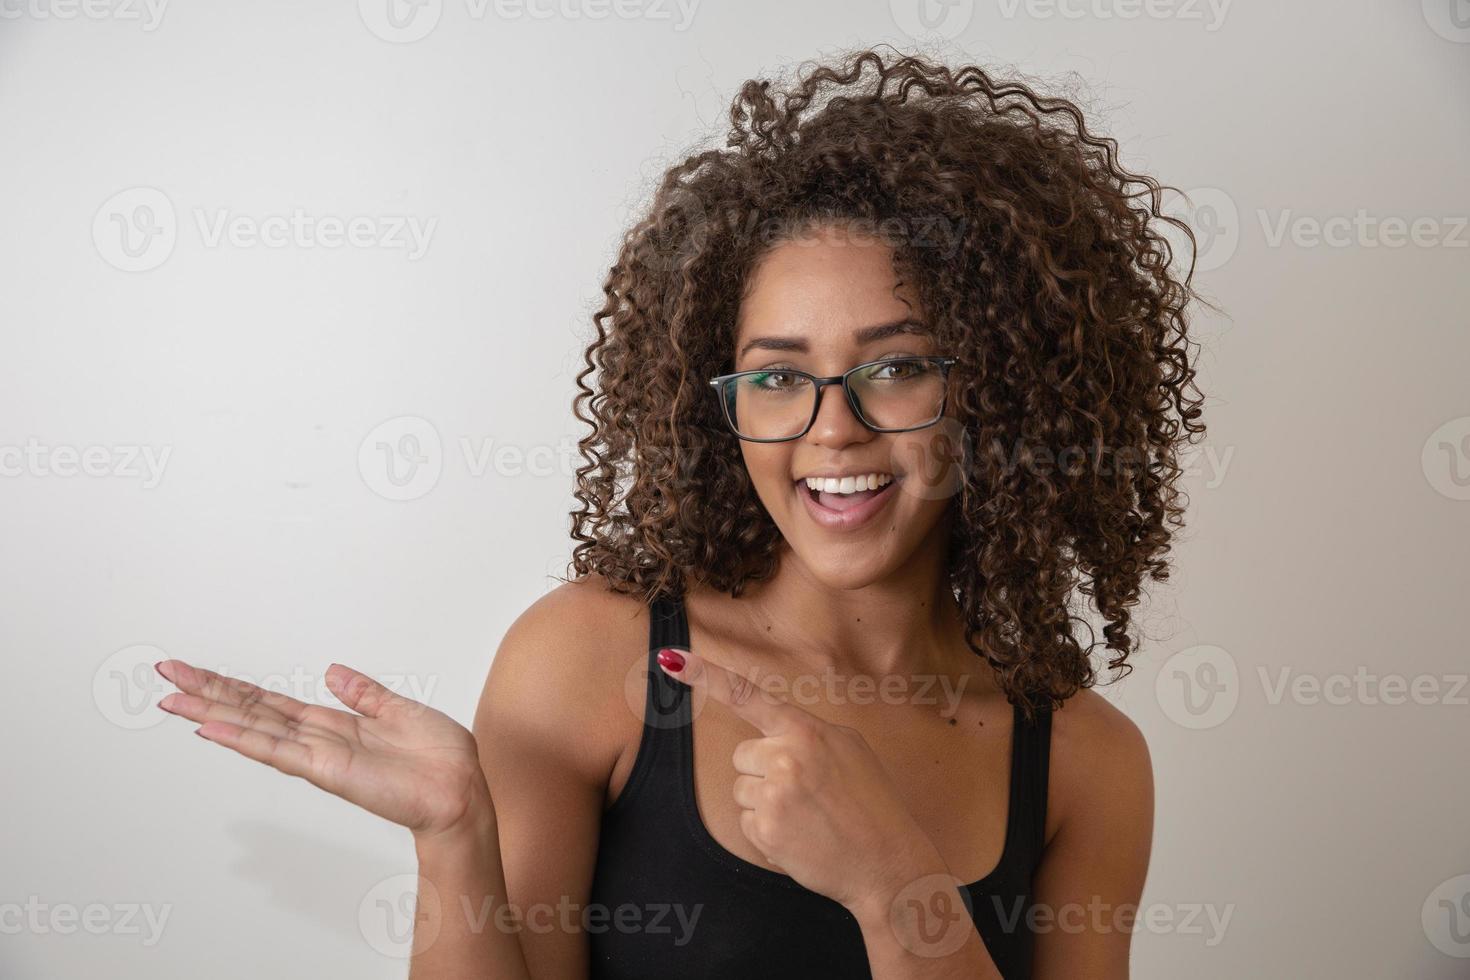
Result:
pixel 360 692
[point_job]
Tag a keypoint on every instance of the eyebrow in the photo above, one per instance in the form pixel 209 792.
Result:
pixel 865 335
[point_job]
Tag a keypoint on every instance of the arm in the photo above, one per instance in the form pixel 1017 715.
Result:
pixel 1086 890
pixel 1091 877
pixel 392 756
pixel 550 719
pixel 920 928
pixel 551 724
pixel 460 873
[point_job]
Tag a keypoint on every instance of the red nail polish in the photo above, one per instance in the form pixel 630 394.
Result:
pixel 671 659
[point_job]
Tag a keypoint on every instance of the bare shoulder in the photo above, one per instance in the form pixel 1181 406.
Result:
pixel 559 675
pixel 1090 725
pixel 1099 762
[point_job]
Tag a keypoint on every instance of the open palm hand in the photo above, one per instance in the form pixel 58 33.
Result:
pixel 394 757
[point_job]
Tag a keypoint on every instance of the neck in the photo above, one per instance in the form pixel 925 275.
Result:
pixel 908 622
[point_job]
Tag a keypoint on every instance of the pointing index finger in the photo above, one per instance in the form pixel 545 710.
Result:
pixel 764 709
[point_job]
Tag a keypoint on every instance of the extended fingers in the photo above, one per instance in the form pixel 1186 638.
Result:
pixel 200 709
pixel 282 754
pixel 228 690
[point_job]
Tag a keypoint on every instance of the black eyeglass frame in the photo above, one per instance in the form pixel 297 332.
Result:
pixel 945 363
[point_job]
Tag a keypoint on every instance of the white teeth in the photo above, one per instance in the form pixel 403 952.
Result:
pixel 849 484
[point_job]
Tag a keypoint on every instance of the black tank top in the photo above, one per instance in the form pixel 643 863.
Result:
pixel 674 903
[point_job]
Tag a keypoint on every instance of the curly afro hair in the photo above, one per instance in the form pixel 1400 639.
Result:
pixel 1051 283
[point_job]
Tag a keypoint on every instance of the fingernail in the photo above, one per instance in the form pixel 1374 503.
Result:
pixel 671 659
pixel 201 735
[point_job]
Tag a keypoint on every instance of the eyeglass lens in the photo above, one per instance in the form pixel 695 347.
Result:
pixel 899 393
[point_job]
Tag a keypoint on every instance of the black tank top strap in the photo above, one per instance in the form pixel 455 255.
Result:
pixel 666 708
pixel 1030 761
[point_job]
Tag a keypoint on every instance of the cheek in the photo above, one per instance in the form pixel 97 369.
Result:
pixel 769 465
pixel 932 460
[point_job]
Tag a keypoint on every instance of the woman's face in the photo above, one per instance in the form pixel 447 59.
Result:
pixel 825 303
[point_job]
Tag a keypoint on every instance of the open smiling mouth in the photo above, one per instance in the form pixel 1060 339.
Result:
pixel 846 502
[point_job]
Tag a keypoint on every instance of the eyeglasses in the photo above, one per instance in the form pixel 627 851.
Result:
pixel 898 394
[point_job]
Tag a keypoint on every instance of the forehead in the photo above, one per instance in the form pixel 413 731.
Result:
pixel 823 286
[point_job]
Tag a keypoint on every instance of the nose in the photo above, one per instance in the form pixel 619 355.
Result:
pixel 836 426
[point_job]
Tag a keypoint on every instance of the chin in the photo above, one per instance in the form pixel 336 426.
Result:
pixel 842 577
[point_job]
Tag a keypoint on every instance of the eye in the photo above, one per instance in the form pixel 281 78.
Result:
pixel 898 369
pixel 774 380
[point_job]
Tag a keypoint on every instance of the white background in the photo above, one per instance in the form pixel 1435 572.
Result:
pixel 1329 519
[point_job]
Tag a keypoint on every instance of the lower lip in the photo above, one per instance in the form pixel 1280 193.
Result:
pixel 845 520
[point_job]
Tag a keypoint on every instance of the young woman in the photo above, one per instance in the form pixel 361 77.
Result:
pixel 886 399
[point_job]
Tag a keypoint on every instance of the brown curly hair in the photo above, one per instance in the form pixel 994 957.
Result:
pixel 1056 295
